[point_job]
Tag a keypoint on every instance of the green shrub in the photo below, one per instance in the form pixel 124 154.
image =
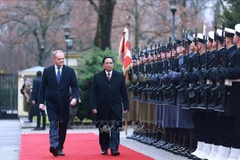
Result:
pixel 89 65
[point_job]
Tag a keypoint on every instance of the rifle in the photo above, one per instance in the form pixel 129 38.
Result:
pixel 189 84
pixel 217 59
pixel 171 89
pixel 157 70
pixel 165 61
pixel 204 77
pixel 185 63
pixel 138 87
pixel 213 72
pixel 199 90
pixel 195 78
pixel 221 106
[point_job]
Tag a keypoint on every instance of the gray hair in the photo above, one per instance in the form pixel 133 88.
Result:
pixel 57 51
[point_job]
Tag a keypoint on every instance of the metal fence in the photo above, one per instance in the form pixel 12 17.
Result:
pixel 8 96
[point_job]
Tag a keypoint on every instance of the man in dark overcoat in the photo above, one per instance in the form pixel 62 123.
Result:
pixel 108 100
pixel 56 82
pixel 34 97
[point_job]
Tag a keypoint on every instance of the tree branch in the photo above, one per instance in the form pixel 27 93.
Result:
pixel 94 6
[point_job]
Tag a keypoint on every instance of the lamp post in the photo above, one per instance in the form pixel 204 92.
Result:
pixel 66 29
pixel 42 43
pixel 173 9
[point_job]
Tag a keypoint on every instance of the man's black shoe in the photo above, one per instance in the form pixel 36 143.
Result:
pixel 115 153
pixel 61 153
pixel 104 152
pixel 54 151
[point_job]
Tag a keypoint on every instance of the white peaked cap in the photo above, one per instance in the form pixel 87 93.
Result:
pixel 229 32
pixel 211 34
pixel 219 32
pixel 237 28
pixel 200 37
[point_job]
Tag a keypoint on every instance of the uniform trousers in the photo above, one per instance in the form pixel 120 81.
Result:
pixel 236 131
pixel 199 121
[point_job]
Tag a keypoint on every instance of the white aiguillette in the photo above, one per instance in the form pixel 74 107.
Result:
pixel 228 82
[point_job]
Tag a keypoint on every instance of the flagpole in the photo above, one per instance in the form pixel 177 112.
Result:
pixel 127 26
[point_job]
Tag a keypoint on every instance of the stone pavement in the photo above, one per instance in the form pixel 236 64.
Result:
pixel 11 131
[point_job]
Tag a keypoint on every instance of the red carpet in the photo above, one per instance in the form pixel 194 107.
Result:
pixel 77 147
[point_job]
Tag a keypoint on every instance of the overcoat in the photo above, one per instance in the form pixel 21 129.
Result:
pixel 57 94
pixel 107 96
pixel 35 88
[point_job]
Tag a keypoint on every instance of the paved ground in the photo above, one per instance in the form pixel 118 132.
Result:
pixel 11 131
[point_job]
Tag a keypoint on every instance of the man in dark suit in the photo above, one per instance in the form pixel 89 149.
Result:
pixel 108 94
pixel 34 97
pixel 56 82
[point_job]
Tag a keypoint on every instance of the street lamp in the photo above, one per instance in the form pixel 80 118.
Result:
pixel 173 9
pixel 42 43
pixel 66 29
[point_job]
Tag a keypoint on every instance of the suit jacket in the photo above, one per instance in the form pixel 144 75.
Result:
pixel 57 95
pixel 106 95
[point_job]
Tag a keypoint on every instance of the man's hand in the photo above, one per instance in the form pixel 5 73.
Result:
pixel 125 111
pixel 33 102
pixel 73 102
pixel 42 107
pixel 94 111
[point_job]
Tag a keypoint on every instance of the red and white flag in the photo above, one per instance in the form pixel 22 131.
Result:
pixel 124 55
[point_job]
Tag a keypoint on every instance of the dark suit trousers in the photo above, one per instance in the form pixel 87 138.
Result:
pixel 109 136
pixel 43 114
pixel 73 113
pixel 57 133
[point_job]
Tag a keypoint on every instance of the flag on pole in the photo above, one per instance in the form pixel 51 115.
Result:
pixel 124 55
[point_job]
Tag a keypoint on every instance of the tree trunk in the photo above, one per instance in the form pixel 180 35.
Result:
pixel 104 26
pixel 136 17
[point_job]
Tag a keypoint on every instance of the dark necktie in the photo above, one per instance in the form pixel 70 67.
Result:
pixel 108 75
pixel 58 75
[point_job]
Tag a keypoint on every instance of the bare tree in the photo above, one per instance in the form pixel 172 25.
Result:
pixel 25 23
pixel 152 20
pixel 93 22
pixel 104 24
